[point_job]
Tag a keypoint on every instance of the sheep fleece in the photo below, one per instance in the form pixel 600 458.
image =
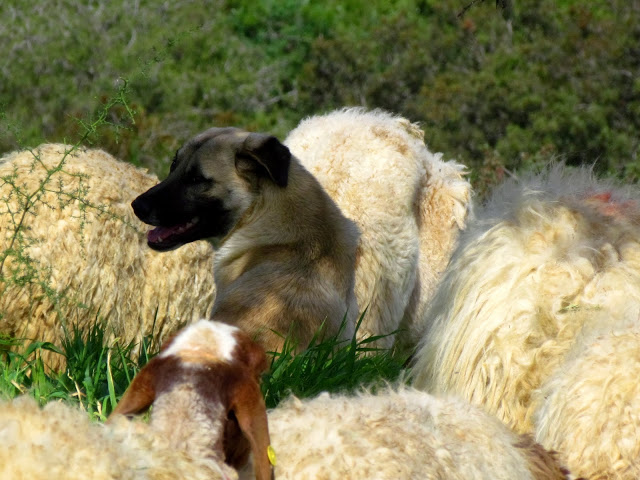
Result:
pixel 407 202
pixel 60 441
pixel 97 262
pixel 591 411
pixel 526 280
pixel 399 435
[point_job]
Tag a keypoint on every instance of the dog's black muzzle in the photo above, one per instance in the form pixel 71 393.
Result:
pixel 142 208
pixel 154 208
pixel 178 220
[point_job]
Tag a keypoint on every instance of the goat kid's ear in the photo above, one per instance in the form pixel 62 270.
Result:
pixel 251 353
pixel 251 413
pixel 264 154
pixel 140 394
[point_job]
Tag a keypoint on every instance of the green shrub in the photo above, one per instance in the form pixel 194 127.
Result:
pixel 542 77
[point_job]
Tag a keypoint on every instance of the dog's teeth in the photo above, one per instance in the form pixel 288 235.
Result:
pixel 188 225
pixel 160 234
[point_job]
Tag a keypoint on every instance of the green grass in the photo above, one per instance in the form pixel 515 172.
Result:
pixel 96 375
pixel 330 365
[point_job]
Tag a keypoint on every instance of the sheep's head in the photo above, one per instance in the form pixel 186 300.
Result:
pixel 205 381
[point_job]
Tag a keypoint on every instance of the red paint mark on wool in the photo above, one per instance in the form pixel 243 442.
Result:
pixel 605 203
pixel 603 197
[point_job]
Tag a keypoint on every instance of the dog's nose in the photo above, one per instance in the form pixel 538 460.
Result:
pixel 141 208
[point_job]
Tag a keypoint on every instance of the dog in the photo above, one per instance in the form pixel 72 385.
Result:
pixel 285 254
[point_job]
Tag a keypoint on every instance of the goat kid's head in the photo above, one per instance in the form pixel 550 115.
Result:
pixel 222 365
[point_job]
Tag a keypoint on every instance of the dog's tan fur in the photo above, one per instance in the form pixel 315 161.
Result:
pixel 287 262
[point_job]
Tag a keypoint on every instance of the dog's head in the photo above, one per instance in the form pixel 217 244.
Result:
pixel 213 179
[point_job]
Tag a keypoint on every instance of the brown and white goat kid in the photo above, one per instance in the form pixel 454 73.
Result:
pixel 204 387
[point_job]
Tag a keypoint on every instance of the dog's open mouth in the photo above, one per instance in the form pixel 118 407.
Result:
pixel 167 238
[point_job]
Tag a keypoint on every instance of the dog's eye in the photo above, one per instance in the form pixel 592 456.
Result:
pixel 195 177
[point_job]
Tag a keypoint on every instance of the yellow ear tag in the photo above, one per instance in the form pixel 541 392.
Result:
pixel 271 453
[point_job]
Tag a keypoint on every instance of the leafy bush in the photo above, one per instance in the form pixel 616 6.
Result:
pixel 498 90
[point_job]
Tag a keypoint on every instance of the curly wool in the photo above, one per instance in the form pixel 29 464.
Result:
pixel 524 282
pixel 591 408
pixel 400 434
pixel 407 202
pixel 99 260
pixel 59 441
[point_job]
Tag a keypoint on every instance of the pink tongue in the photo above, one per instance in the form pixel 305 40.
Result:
pixel 160 234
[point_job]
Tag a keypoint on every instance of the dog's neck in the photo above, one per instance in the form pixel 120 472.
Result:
pixel 300 217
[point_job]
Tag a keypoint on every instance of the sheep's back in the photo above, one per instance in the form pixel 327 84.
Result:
pixel 538 261
pixel 393 435
pixel 407 202
pixel 59 441
pixel 88 252
pixel 591 409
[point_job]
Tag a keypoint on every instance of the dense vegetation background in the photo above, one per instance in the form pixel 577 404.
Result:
pixel 497 89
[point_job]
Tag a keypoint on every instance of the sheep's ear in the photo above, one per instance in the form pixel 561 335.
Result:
pixel 140 394
pixel 264 155
pixel 251 414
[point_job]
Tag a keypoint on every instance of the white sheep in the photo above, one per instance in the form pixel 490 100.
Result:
pixel 590 412
pixel 59 441
pixel 404 434
pixel 89 257
pixel 530 271
pixel 407 202
pixel 207 410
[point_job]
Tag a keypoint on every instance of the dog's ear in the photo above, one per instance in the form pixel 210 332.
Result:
pixel 262 154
